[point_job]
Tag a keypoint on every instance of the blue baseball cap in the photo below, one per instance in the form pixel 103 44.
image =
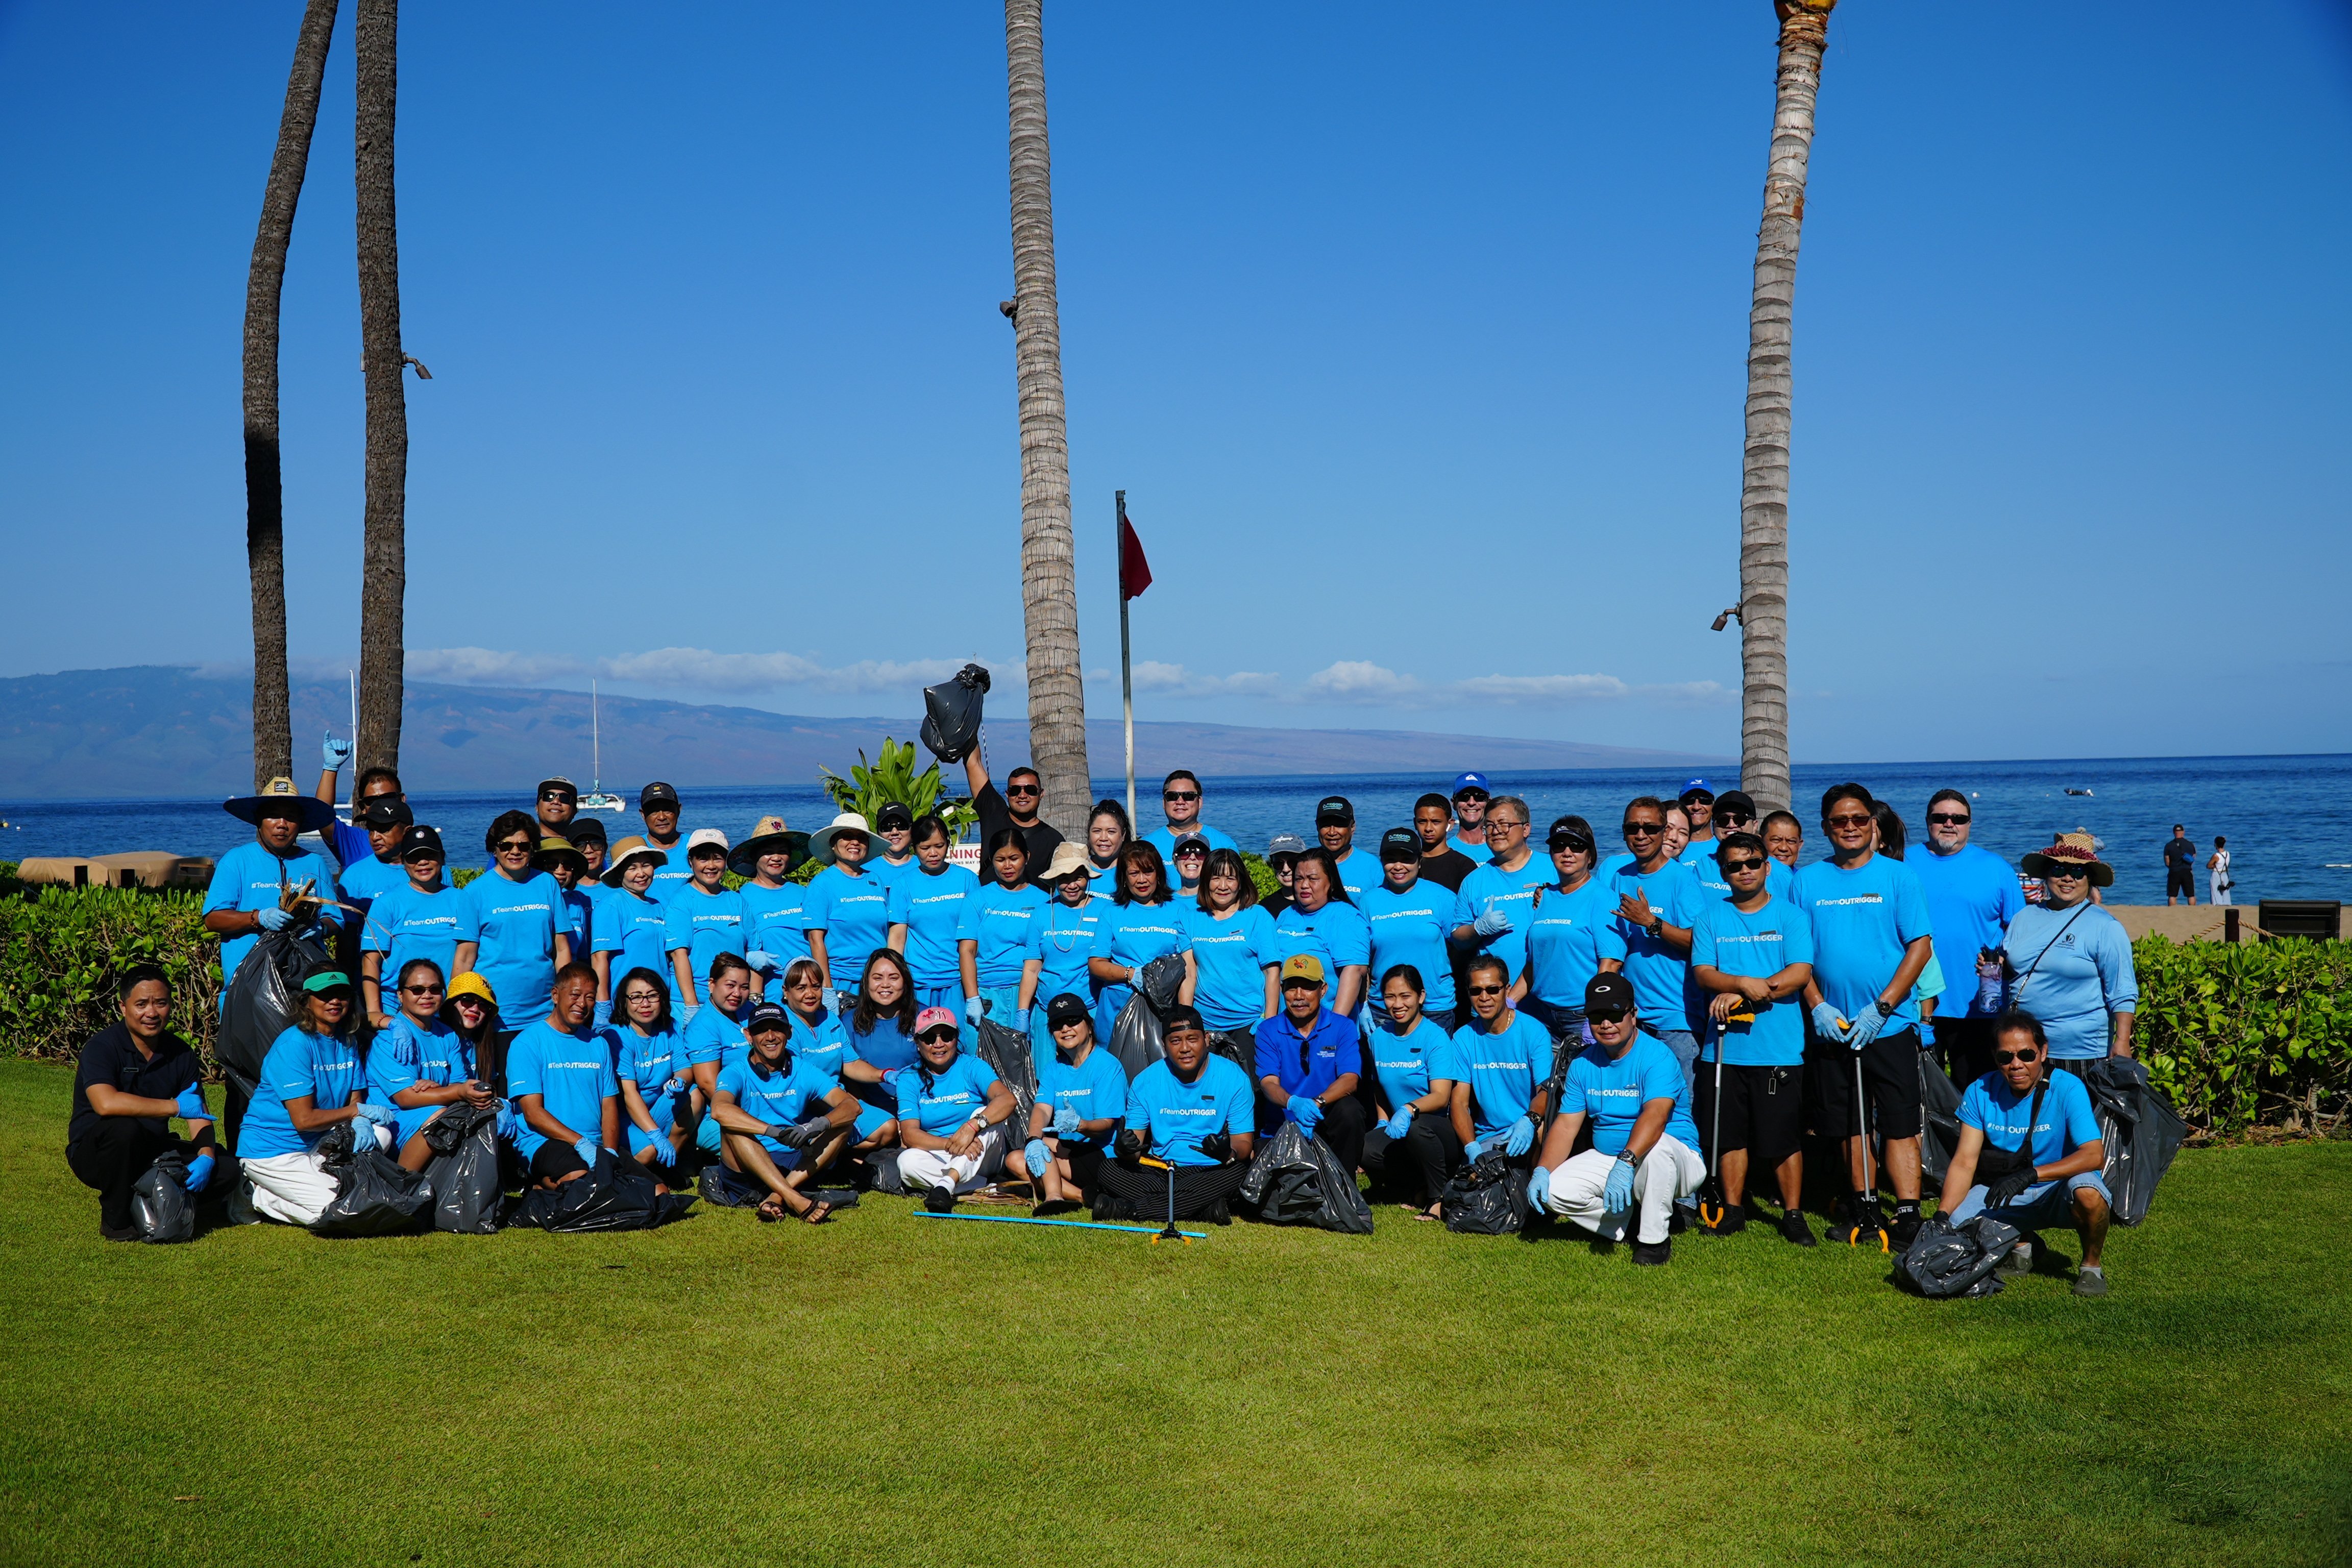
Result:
pixel 1469 782
pixel 1698 784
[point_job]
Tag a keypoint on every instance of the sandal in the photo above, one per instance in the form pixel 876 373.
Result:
pixel 817 1212
pixel 1431 1214
pixel 771 1209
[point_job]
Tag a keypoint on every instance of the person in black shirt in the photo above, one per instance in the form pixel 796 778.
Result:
pixel 2179 865
pixel 1441 863
pixel 134 1077
pixel 1282 853
pixel 1025 791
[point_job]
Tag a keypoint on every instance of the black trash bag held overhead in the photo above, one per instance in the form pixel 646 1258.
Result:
pixel 1139 1035
pixel 463 1174
pixel 1948 1262
pixel 1486 1198
pixel 951 713
pixel 264 999
pixel 1939 1117
pixel 2140 1130
pixel 160 1210
pixel 608 1197
pixel 1297 1180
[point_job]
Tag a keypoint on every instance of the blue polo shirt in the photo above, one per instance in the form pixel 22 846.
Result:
pixel 932 907
pixel 1862 919
pixel 2068 1120
pixel 1971 898
pixel 1411 927
pixel 1331 1049
pixel 1567 936
pixel 1001 923
pixel 1613 1093
pixel 634 930
pixel 713 1035
pixel 1504 1070
pixel 1164 840
pixel 1401 1062
pixel 1174 1116
pixel 778 1097
pixel 1094 1088
pixel 948 1100
pixel 773 923
pixel 513 924
pixel 1337 934
pixel 888 1047
pixel 250 878
pixel 1661 976
pixel 1756 946
pixel 854 913
pixel 1514 893
pixel 1066 940
pixel 572 1075
pixel 1230 958
pixel 406 924
pixel 325 1069
pixel 703 925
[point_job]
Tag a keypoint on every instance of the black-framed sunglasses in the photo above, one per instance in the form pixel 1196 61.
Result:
pixel 1610 1014
pixel 1179 795
pixel 935 1034
pixel 1644 829
pixel 1948 818
pixel 1735 818
pixel 421 990
pixel 2066 874
pixel 516 846
pixel 1847 821
pixel 1742 865
pixel 1011 790
pixel 1485 990
pixel 562 794
pixel 2029 1056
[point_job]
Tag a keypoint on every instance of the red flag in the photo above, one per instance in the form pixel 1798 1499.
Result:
pixel 1134 571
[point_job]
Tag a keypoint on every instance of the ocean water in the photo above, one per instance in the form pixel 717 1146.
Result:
pixel 2288 819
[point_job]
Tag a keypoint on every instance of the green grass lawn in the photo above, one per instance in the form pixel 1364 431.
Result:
pixel 894 1391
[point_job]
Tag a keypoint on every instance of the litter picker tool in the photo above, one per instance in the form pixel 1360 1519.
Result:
pixel 1064 1224
pixel 1866 1202
pixel 1712 1215
pixel 1171 1233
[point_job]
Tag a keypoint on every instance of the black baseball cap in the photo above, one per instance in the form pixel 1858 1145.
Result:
pixel 1735 800
pixel 586 827
pixel 1399 844
pixel 768 1015
pixel 655 794
pixel 1614 992
pixel 420 840
pixel 1334 808
pixel 1182 1016
pixel 893 816
pixel 386 811
pixel 1064 1010
pixel 1570 833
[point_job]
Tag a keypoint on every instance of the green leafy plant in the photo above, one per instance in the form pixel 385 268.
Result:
pixel 2248 1035
pixel 61 948
pixel 892 778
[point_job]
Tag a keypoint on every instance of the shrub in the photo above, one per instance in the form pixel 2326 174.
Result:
pixel 2255 1035
pixel 61 948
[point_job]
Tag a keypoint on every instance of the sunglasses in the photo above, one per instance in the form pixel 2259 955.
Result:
pixel 2064 874
pixel 1742 865
pixel 1849 821
pixel 1581 846
pixel 933 1035
pixel 1472 797
pixel 516 846
pixel 420 990
pixel 2002 1058
pixel 557 795
pixel 1485 989
pixel 1181 795
pixel 1191 855
pixel 1023 789
pixel 1947 818
pixel 1644 829
pixel 1610 1014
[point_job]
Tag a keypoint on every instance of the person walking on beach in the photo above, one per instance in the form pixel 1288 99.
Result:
pixel 2216 871
pixel 2179 867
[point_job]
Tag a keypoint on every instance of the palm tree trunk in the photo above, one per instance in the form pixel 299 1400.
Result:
pixel 384 577
pixel 1764 493
pixel 265 495
pixel 1057 697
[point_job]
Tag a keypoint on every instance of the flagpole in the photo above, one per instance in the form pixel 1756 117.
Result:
pixel 1126 670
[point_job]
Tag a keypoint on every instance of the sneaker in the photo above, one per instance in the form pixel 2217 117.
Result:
pixel 1794 1229
pixel 1734 1221
pixel 1220 1213
pixel 236 1204
pixel 1652 1254
pixel 939 1200
pixel 118 1231
pixel 2019 1260
pixel 1905 1227
pixel 2091 1282
pixel 1678 1221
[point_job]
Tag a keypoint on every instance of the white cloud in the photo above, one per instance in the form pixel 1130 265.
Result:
pixel 682 669
pixel 489 667
pixel 1176 680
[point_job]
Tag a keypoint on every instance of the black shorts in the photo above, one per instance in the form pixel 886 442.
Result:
pixel 555 1161
pixel 1763 1110
pixel 1966 1046
pixel 1890 1073
pixel 2180 882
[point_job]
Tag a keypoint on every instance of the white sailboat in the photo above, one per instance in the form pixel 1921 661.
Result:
pixel 596 799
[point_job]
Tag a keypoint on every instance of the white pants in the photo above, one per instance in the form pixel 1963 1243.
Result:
pixel 1671 1170
pixel 296 1188
pixel 938 1168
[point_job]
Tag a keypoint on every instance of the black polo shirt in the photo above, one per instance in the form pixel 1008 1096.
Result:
pixel 113 1059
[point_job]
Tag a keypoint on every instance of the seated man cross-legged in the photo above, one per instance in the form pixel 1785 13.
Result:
pixel 1080 1093
pixel 2030 1151
pixel 780 1121
pixel 952 1112
pixel 1191 1110
pixel 1644 1153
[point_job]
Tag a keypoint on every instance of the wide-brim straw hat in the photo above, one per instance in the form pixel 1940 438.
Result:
pixel 768 836
pixel 552 852
pixel 2073 852
pixel 276 796
pixel 627 850
pixel 1068 861
pixel 820 842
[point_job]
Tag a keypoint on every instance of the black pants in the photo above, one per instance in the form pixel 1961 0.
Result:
pixel 1414 1169
pixel 114 1156
pixel 1966 1046
pixel 1199 1188
pixel 1342 1128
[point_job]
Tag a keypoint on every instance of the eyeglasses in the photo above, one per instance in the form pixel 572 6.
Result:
pixel 1644 829
pixel 2064 874
pixel 515 846
pixel 420 991
pixel 1948 818
pixel 1847 821
pixel 1023 789
pixel 1179 795
pixel 2002 1058
pixel 634 997
pixel 1494 822
pixel 1610 1014
pixel 1485 989
pixel 1742 865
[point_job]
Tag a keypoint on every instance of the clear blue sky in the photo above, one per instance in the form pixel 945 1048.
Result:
pixel 1416 339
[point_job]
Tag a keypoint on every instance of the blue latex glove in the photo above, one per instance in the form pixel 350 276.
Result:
pixel 1305 1112
pixel 1400 1124
pixel 1493 922
pixel 678 1080
pixel 403 1047
pixel 833 1003
pixel 1066 1122
pixel 974 1009
pixel 334 754
pixel 200 1171
pixel 1036 1156
pixel 1618 1195
pixel 192 1103
pixel 1021 1020
pixel 763 963
pixel 381 1115
pixel 274 918
pixel 587 1149
pixel 509 1125
pixel 1521 1138
pixel 604 1015
pixel 1472 1150
pixel 1866 1026
pixel 1538 1189
pixel 1826 1023
pixel 661 1152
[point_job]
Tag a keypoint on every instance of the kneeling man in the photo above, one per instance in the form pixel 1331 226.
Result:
pixel 2030 1151
pixel 1644 1149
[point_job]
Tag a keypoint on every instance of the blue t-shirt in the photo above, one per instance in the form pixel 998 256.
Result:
pixel 889 873
pixel 406 924
pixel 573 1075
pixel 1613 1093
pixel 1401 1062
pixel 250 877
pixel 1174 1116
pixel 649 1061
pixel 2082 972
pixel 1489 887
pixel 785 1096
pixel 822 1042
pixel 443 1057
pixel 1779 880
pixel 1230 958
pixel 1102 881
pixel 931 907
pixel 368 878
pixel 1360 873
pixel 1094 1088
pixel 948 1100
pixel 704 925
pixel 1759 946
pixel 2068 1120
pixel 1164 840
pixel 1066 940
pixel 1504 1070
pixel 773 922
pixel 1337 934
pixel 673 873
pixel 1134 934
pixel 579 919
pixel 854 913
pixel 1477 848
pixel 1001 924
pixel 635 930
pixel 714 1034
pixel 1332 1048
pixel 325 1069
pixel 1411 927
pixel 1971 898
pixel 514 925
pixel 1862 919
pixel 888 1047
pixel 1567 936
pixel 1660 975
pixel 348 842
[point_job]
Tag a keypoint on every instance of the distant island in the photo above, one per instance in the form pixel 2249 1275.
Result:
pixel 159 731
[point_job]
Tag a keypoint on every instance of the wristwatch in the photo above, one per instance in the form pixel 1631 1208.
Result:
pixel 1626 1157
pixel 1657 928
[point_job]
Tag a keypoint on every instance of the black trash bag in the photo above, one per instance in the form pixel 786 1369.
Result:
pixel 264 999
pixel 608 1197
pixel 463 1171
pixel 1139 1035
pixel 726 1189
pixel 2140 1130
pixel 1006 1051
pixel 160 1210
pixel 1486 1198
pixel 951 713
pixel 376 1197
pixel 1939 1117
pixel 1297 1180
pixel 1947 1262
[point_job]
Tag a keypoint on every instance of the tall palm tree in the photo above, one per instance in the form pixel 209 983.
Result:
pixel 265 495
pixel 1049 596
pixel 1764 491
pixel 384 575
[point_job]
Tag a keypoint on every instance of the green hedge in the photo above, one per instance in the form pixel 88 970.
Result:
pixel 2251 1036
pixel 60 949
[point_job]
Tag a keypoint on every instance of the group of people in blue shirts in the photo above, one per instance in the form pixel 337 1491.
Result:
pixel 1613 1032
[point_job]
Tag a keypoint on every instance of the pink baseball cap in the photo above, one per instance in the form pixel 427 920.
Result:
pixel 931 1018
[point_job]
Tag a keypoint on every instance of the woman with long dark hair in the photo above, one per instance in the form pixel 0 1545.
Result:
pixel 1235 959
pixel 1141 924
pixel 650 1062
pixel 419 1066
pixel 930 900
pixel 820 1039
pixel 1323 921
pixel 998 941
pixel 880 1029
